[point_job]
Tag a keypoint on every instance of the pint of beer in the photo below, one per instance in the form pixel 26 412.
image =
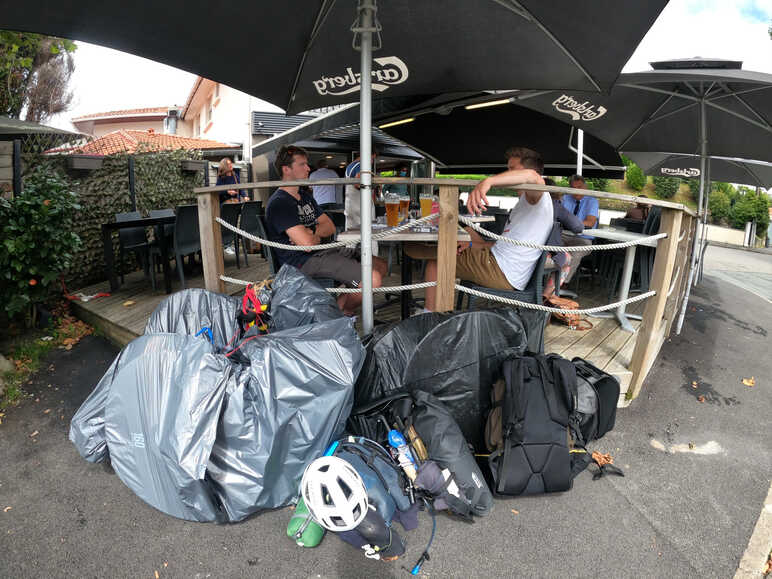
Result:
pixel 426 200
pixel 392 210
pixel 404 206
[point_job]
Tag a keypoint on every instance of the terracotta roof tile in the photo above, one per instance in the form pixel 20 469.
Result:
pixel 131 141
pixel 124 113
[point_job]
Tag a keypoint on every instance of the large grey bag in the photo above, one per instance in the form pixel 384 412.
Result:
pixel 161 417
pixel 288 404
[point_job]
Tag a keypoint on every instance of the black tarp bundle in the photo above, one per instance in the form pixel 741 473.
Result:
pixel 455 356
pixel 206 436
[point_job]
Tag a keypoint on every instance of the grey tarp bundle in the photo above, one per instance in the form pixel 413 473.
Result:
pixel 208 437
pixel 455 357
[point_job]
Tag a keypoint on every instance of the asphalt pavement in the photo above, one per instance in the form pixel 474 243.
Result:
pixel 694 447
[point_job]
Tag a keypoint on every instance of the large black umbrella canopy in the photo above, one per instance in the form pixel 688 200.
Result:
pixel 461 139
pixel 660 110
pixel 474 140
pixel 299 56
pixel 725 169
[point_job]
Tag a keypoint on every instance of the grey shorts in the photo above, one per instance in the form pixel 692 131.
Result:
pixel 340 264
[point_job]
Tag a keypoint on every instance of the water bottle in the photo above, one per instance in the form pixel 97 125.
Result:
pixel 405 457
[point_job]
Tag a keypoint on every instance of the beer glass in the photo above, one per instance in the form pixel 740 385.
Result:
pixel 426 201
pixel 392 210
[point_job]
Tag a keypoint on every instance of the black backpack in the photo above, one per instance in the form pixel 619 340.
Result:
pixel 597 398
pixel 542 447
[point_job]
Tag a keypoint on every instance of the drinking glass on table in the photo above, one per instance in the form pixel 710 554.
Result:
pixel 404 206
pixel 426 201
pixel 392 210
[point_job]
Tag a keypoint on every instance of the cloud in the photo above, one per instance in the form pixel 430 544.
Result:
pixel 735 30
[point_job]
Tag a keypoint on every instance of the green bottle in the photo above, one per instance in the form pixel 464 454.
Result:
pixel 302 528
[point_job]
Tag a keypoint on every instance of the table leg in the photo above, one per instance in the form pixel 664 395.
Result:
pixel 107 241
pixel 624 292
pixel 165 260
pixel 407 279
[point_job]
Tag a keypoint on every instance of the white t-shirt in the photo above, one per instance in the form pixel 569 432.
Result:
pixel 526 223
pixel 353 204
pixel 324 193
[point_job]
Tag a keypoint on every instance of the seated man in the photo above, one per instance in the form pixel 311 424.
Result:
pixel 587 210
pixel 639 212
pixel 294 217
pixel 561 260
pixel 500 265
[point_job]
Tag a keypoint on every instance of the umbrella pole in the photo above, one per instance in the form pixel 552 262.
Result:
pixel 704 236
pixel 696 243
pixel 579 151
pixel 366 13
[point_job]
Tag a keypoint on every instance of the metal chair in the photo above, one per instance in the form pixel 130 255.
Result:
pixel 532 293
pixel 250 211
pixel 230 213
pixel 168 233
pixel 187 238
pixel 133 239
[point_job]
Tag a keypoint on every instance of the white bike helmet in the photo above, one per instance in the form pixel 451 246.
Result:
pixel 334 493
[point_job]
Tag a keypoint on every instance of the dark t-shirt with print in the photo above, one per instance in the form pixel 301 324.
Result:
pixel 284 211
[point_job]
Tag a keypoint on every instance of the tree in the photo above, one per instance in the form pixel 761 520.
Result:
pixel 749 207
pixel 635 177
pixel 719 206
pixel 666 187
pixel 34 73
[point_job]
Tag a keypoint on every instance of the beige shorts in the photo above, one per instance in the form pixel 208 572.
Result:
pixel 475 265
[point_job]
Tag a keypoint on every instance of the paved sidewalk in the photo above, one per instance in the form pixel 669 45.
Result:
pixel 697 474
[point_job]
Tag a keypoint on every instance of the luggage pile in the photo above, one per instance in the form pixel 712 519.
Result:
pixel 225 407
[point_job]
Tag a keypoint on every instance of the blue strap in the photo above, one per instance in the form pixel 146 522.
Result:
pixel 208 331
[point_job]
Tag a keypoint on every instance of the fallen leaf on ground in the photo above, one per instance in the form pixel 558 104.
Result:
pixel 46 411
pixel 34 434
pixel 166 564
pixel 749 381
pixel 694 384
pixel 128 303
pixel 691 446
pixel 514 512
pixel 46 338
pixel 37 399
pixel 701 399
pixel 602 459
pixel 6 509
pixel 157 576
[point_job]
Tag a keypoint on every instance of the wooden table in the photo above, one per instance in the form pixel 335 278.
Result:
pixel 107 241
pixel 620 235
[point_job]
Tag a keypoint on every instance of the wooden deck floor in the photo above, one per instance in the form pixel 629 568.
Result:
pixel 606 345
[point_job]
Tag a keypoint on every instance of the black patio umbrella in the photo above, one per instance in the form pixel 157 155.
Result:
pixel 695 106
pixel 756 174
pixel 299 56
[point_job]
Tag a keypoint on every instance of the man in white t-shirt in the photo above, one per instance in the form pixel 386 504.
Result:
pixel 500 265
pixel 324 194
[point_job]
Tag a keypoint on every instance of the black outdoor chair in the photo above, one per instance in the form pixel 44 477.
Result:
pixel 273 259
pixel 532 293
pixel 187 239
pixel 250 211
pixel 133 239
pixel 155 249
pixel 230 212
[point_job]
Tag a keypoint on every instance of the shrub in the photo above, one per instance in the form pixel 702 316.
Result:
pixel 599 184
pixel 635 177
pixel 38 240
pixel 666 187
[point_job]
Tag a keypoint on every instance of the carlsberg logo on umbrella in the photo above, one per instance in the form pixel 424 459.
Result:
pixel 392 71
pixel 692 172
pixel 579 111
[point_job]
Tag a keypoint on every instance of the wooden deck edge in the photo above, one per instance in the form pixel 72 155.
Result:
pixel 115 333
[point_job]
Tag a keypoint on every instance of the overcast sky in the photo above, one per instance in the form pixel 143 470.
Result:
pixel 105 79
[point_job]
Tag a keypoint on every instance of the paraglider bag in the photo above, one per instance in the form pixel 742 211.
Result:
pixel 538 420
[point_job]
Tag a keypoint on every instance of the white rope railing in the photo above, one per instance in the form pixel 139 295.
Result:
pixel 542 308
pixel 331 245
pixel 383 289
pixel 559 248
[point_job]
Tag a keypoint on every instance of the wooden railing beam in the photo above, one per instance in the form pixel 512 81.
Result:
pixel 446 248
pixel 211 241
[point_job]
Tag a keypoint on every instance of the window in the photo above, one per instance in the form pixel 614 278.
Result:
pixel 196 127
pixel 211 106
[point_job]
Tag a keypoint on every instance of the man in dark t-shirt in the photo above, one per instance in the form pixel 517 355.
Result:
pixel 295 218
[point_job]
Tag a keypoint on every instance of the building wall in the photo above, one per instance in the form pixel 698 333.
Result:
pixel 725 234
pixel 101 129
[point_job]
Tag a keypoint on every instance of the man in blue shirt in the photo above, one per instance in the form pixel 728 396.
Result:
pixel 587 211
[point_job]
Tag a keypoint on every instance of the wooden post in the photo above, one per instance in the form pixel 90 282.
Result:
pixel 673 307
pixel 211 241
pixel 446 248
pixel 651 332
